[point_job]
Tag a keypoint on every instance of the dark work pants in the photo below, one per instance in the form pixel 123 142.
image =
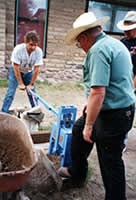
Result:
pixel 109 133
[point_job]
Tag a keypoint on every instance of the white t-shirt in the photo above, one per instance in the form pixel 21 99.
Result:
pixel 25 61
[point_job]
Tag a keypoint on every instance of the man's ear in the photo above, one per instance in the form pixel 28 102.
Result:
pixel 84 38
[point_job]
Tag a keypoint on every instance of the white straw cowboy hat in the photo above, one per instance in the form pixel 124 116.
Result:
pixel 129 21
pixel 82 23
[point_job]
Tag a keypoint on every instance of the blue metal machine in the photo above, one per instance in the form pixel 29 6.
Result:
pixel 61 130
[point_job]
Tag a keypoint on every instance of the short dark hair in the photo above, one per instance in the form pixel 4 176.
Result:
pixel 31 35
pixel 90 30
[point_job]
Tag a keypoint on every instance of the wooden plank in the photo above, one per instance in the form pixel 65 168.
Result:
pixel 40 137
pixel 51 170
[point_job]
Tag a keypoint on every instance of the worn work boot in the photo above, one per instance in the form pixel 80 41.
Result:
pixel 63 171
pixel 69 181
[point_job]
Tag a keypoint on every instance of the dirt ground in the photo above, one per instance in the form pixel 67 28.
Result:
pixel 40 185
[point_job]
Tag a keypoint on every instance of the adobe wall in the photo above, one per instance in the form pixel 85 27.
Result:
pixel 2 36
pixel 61 60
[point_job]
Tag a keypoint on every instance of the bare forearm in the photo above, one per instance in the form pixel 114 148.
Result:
pixel 95 102
pixel 134 81
pixel 35 74
pixel 17 74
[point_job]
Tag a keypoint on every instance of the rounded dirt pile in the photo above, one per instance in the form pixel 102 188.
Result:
pixel 15 144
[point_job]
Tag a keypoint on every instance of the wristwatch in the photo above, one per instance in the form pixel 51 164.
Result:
pixel 32 84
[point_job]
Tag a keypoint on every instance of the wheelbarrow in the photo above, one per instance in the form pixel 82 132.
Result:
pixel 17 155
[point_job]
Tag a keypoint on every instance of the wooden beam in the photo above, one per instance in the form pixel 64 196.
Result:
pixel 51 170
pixel 40 137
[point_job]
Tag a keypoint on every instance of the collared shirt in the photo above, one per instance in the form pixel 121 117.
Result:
pixel 25 61
pixel 108 63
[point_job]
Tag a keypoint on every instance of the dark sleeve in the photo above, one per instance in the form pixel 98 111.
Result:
pixel 134 63
pixel 129 44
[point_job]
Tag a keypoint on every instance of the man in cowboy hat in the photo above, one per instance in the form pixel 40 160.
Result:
pixel 108 115
pixel 128 25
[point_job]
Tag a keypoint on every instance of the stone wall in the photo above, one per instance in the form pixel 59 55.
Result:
pixel 2 37
pixel 10 20
pixel 61 60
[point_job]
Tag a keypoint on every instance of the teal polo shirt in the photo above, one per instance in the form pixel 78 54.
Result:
pixel 108 63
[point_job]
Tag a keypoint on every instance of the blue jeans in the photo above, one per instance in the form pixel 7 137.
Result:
pixel 12 86
pixel 109 133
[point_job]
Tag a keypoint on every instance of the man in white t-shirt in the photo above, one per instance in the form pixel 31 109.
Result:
pixel 26 60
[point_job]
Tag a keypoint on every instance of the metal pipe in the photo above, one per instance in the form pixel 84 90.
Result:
pixel 48 106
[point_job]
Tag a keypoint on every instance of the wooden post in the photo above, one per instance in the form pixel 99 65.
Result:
pixel 51 169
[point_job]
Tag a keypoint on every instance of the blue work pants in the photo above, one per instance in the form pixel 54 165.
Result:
pixel 12 86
